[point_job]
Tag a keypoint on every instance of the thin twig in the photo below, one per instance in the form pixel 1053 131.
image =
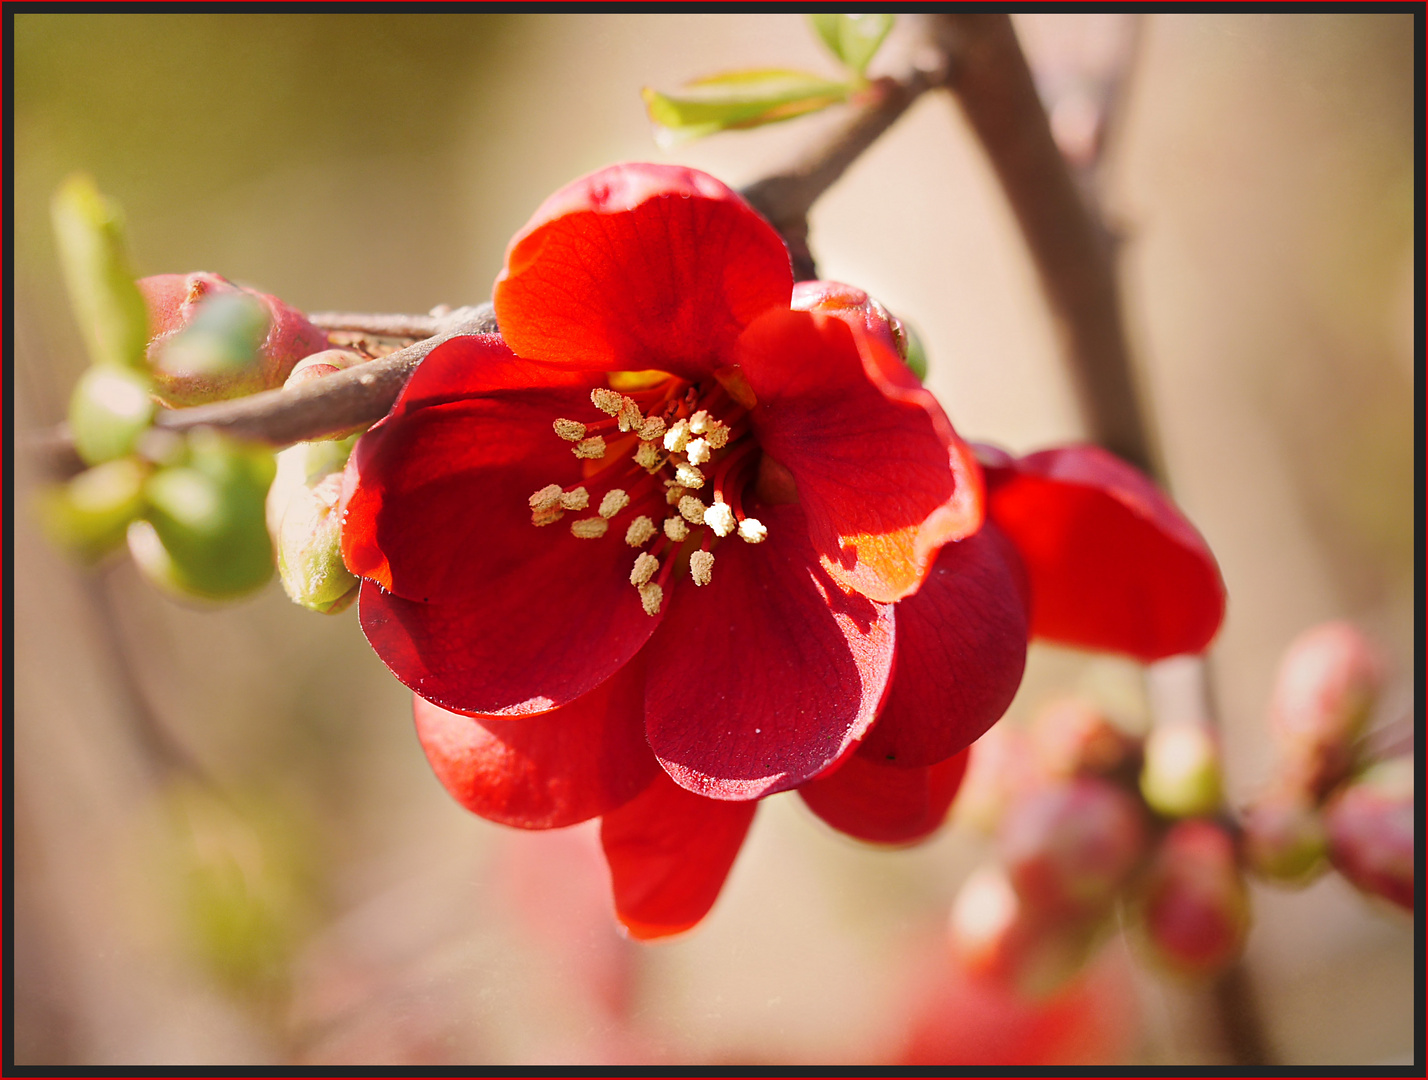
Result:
pixel 379 325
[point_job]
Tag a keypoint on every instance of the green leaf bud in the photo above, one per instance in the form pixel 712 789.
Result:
pixel 109 411
pixel 739 99
pixel 305 523
pixel 89 514
pixel 1181 774
pixel 853 39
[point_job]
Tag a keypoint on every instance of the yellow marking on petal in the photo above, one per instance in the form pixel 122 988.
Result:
pixel 675 529
pixel 644 569
pixel 650 596
pixel 753 530
pixel 732 379
pixel 701 567
pixel 720 518
pixel 546 497
pixel 593 447
pixel 692 510
pixel 575 499
pixel 614 501
pixel 640 532
pixel 607 401
pixel 569 430
pixel 628 381
pixel 589 528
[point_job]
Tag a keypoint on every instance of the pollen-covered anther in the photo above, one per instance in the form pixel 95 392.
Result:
pixel 718 435
pixel 688 476
pixel 673 493
pixel 647 456
pixel 677 436
pixel 651 596
pixel 546 497
pixel 675 528
pixel 547 516
pixel 692 510
pixel 753 530
pixel 589 528
pixel 640 532
pixel 697 451
pixel 701 567
pixel 720 518
pixel 652 428
pixel 593 447
pixel 644 569
pixel 614 501
pixel 575 499
pixel 569 430
pixel 607 400
pixel 700 422
pixel 630 417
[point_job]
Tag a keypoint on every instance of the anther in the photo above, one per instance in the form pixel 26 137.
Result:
pixel 676 437
pixel 644 569
pixel 652 428
pixel 641 530
pixel 607 400
pixel 673 493
pixel 647 456
pixel 753 530
pixel 614 501
pixel 701 567
pixel 697 451
pixel 699 422
pixel 575 499
pixel 717 435
pixel 650 597
pixel 589 528
pixel 630 416
pixel 570 430
pixel 688 476
pixel 720 518
pixel 593 447
pixel 546 497
pixel 675 528
pixel 547 516
pixel 692 510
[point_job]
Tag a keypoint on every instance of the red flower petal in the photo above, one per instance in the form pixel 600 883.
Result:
pixel 669 852
pixel 765 676
pixel 548 771
pixel 1112 563
pixel 961 648
pixel 640 266
pixel 882 477
pixel 521 618
pixel 883 804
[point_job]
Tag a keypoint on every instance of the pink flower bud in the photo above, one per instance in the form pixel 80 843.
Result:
pixel 1070 847
pixel 1195 906
pixel 1370 825
pixel 1181 773
pixel 173 300
pixel 1327 683
pixel 999 772
pixel 1071 736
pixel 1284 838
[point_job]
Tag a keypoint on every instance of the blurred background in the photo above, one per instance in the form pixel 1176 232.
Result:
pixel 228 848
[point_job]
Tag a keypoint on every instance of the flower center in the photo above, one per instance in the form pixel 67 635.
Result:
pixel 657 455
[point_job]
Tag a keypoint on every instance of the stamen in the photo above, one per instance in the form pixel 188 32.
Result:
pixel 652 428
pixel 614 501
pixel 640 531
pixel 593 447
pixel 673 494
pixel 718 435
pixel 753 530
pixel 570 430
pixel 720 518
pixel 650 596
pixel 546 497
pixel 675 529
pixel 692 510
pixel 547 516
pixel 697 451
pixel 701 567
pixel 575 499
pixel 647 456
pixel 677 436
pixel 699 422
pixel 606 400
pixel 688 476
pixel 630 415
pixel 644 569
pixel 589 528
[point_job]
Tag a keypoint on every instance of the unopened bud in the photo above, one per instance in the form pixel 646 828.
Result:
pixel 1327 684
pixel 305 523
pixel 1195 907
pixel 999 772
pixel 89 514
pixel 1284 838
pixel 1370 823
pixel 1071 736
pixel 175 301
pixel 1181 773
pixel 109 411
pixel 1070 847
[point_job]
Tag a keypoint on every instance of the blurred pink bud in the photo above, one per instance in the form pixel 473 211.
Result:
pixel 1181 773
pixel 174 299
pixel 1370 823
pixel 1195 905
pixel 1071 736
pixel 1284 838
pixel 1328 681
pixel 999 772
pixel 1069 847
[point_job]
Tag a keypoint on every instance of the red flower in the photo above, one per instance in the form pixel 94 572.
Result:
pixel 651 554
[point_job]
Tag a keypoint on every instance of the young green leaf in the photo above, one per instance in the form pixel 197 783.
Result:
pixel 853 39
pixel 741 99
pixel 90 232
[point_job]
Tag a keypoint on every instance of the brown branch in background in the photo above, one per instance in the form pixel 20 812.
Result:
pixel 1070 247
pixel 394 326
